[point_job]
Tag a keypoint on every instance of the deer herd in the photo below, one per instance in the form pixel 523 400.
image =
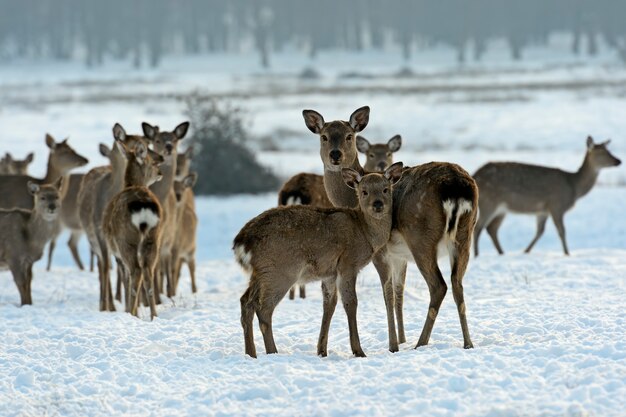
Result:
pixel 140 210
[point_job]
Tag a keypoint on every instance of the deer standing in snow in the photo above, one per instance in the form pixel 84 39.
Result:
pixel 132 226
pixel 287 245
pixel 26 232
pixel 532 189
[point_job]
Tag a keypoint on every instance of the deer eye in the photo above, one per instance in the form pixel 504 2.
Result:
pixel 348 138
pixel 371 155
pixel 324 138
pixel 388 154
pixel 364 192
pixel 386 190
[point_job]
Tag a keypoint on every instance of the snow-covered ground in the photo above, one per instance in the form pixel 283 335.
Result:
pixel 548 330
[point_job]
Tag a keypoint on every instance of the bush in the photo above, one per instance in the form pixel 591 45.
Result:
pixel 225 165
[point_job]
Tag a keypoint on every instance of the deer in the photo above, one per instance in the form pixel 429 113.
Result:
pixel 186 225
pixel 287 245
pixel 165 144
pixel 70 218
pixel 97 188
pixel 308 189
pixel 531 189
pixel 62 159
pixel 26 232
pixel 434 213
pixel 380 155
pixel 132 226
pixel 10 166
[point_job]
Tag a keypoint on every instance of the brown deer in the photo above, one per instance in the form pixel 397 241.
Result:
pixel 186 225
pixel 97 188
pixel 13 188
pixel 287 245
pixel 380 155
pixel 434 211
pixel 165 144
pixel 183 163
pixel 132 225
pixel 532 189
pixel 308 189
pixel 26 232
pixel 10 166
pixel 70 218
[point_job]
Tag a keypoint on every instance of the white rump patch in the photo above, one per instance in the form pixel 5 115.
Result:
pixel 144 216
pixel 464 206
pixel 293 201
pixel 244 258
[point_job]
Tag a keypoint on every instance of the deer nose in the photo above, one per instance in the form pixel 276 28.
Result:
pixel 52 207
pixel 378 206
pixel 169 147
pixel 382 166
pixel 335 156
pixel 617 162
pixel 178 196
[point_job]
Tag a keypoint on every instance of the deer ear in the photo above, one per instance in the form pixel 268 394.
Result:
pixel 118 132
pixel 360 118
pixel 190 180
pixel 589 142
pixel 8 157
pixel 351 177
pixel 189 153
pixel 313 120
pixel 32 187
pixel 395 143
pixel 104 150
pixel 606 142
pixel 50 141
pixel 181 130
pixel 362 144
pixel 122 148
pixel 149 131
pixel 29 158
pixel 394 172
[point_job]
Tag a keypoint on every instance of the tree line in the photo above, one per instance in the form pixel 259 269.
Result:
pixel 143 31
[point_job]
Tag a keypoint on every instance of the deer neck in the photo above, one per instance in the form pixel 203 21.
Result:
pixel 162 188
pixel 118 171
pixel 40 230
pixel 585 178
pixel 338 192
pixel 377 231
pixel 53 172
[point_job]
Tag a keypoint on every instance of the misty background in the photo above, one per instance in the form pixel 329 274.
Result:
pixel 145 31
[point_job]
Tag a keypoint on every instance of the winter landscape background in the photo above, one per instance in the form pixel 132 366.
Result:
pixel 548 330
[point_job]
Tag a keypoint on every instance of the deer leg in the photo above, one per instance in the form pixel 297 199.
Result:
pixel 480 225
pixel 347 288
pixel 73 245
pixel 249 303
pixel 425 255
pixel 264 315
pixel 92 257
pixel 135 290
pixel 292 292
pixel 492 231
pixel 149 291
pixel 557 218
pixel 118 286
pixel 459 265
pixel 51 247
pixel 541 226
pixel 329 292
pixel 383 267
pixel 191 264
pixel 303 291
pixel 19 276
pixel 399 278
pixel 108 294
